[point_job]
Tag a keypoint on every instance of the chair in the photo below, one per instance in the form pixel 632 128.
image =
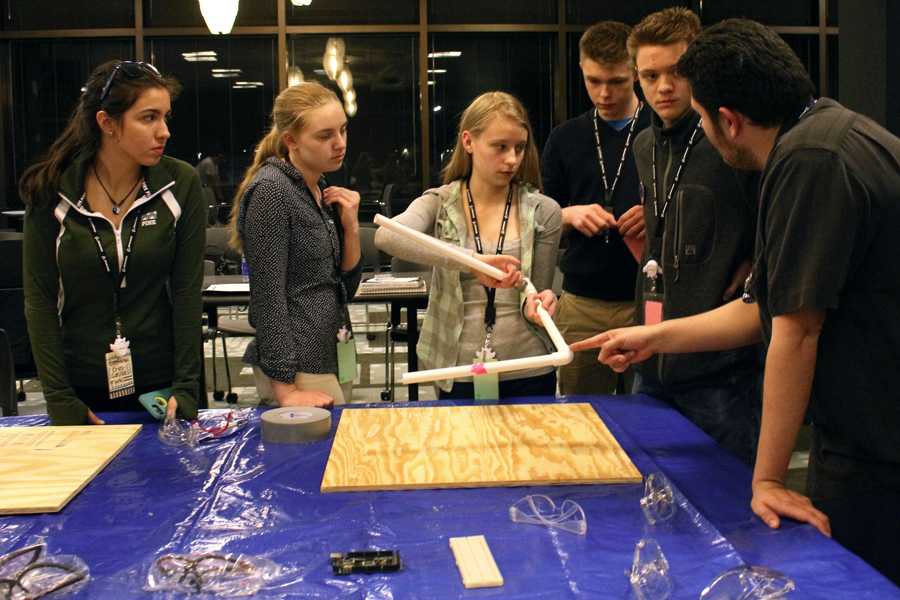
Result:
pixel 231 327
pixel 226 258
pixel 386 198
pixel 8 404
pixel 397 332
pixel 12 308
pixel 371 263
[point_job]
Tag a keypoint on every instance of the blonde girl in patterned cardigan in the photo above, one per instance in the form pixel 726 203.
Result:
pixel 490 198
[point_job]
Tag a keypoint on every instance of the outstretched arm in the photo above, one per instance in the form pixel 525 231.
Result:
pixel 730 326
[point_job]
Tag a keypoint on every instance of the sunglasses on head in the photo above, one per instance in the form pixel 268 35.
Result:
pixel 132 70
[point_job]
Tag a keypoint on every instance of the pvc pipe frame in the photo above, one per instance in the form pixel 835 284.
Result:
pixel 562 356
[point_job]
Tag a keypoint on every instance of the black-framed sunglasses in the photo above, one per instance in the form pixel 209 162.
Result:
pixel 131 69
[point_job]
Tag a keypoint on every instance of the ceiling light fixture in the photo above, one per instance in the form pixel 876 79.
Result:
pixel 219 15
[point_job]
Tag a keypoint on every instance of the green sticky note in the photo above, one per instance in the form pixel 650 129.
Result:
pixel 487 387
pixel 346 355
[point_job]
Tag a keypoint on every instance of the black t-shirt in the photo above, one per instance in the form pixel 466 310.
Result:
pixel 829 239
pixel 571 176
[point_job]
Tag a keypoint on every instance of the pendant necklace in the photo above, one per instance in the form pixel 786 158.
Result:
pixel 116 206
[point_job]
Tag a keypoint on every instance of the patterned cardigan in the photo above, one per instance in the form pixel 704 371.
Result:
pixel 440 212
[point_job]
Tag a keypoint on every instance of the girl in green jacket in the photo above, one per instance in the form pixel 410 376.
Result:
pixel 113 254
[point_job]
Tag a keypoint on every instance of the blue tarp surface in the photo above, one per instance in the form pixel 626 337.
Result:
pixel 240 496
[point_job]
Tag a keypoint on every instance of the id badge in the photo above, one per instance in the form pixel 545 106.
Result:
pixel 653 308
pixel 487 387
pixel 346 357
pixel 119 374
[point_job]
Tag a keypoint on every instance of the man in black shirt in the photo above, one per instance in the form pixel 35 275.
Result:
pixel 588 168
pixel 826 280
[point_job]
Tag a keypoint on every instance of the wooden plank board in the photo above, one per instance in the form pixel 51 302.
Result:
pixel 44 467
pixel 474 446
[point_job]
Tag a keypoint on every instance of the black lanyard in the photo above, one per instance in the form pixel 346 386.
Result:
pixel 490 312
pixel 609 190
pixel 117 279
pixel 329 213
pixel 661 215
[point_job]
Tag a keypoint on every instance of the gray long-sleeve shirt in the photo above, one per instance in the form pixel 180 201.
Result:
pixel 298 293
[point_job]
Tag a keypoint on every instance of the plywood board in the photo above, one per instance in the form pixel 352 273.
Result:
pixel 44 467
pixel 474 446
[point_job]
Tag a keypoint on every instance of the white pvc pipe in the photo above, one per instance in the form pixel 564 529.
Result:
pixel 500 366
pixel 440 246
pixel 562 356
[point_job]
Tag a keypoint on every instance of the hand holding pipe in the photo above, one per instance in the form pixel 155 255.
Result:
pixel 562 356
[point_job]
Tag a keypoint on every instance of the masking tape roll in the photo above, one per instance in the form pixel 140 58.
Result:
pixel 295 424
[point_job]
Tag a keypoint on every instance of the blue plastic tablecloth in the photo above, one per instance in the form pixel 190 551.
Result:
pixel 240 496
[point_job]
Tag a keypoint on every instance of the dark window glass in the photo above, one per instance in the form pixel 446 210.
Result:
pixel 586 13
pixel 502 11
pixel 577 96
pixel 833 13
pixel 70 14
pixel 352 12
pixel 785 12
pixel 186 13
pixel 833 70
pixel 225 104
pixel 383 135
pixel 807 49
pixel 519 63
pixel 47 77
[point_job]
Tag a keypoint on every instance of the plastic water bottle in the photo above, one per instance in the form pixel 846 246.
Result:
pixel 245 269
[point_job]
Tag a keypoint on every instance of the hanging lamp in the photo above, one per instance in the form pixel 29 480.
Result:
pixel 219 14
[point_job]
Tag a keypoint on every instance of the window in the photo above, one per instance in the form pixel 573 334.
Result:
pixel 226 99
pixel 500 11
pixel 352 12
pixel 47 76
pixel 588 13
pixel 383 134
pixel 71 14
pixel 186 13
pixel 807 49
pixel 519 63
pixel 785 12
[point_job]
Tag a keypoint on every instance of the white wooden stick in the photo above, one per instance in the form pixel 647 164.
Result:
pixel 475 562
pixel 562 356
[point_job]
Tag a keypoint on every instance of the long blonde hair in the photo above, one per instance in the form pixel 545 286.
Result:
pixel 287 116
pixel 475 120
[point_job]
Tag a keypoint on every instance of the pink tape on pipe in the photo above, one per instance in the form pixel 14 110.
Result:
pixel 478 369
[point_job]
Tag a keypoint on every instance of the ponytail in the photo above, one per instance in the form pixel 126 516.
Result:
pixel 271 145
pixel 287 116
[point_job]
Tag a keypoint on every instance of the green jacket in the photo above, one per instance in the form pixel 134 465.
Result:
pixel 69 294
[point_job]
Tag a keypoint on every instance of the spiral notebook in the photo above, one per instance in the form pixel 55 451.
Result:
pixel 378 285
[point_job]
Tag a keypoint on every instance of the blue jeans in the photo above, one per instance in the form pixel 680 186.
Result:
pixel 728 410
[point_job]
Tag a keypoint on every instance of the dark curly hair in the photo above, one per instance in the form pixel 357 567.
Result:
pixel 745 66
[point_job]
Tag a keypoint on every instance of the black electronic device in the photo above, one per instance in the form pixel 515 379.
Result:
pixel 366 561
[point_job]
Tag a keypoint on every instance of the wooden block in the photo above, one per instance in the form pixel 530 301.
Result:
pixel 475 562
pixel 44 467
pixel 474 446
